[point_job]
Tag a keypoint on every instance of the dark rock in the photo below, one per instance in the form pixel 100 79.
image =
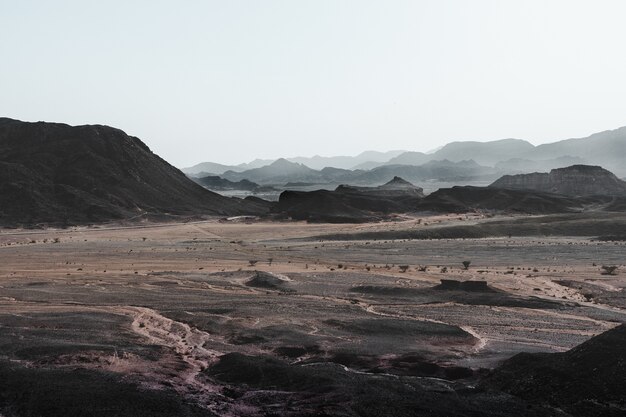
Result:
pixel 575 180
pixel 55 173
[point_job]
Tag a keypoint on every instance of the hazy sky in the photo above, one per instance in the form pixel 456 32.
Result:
pixel 230 81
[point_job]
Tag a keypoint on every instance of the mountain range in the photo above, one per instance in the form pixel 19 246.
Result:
pixel 283 173
pixel 315 162
pixel 507 156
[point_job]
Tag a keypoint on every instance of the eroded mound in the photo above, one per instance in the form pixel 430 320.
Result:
pixel 268 280
pixel 469 286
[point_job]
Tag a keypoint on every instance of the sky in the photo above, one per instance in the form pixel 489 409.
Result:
pixel 232 80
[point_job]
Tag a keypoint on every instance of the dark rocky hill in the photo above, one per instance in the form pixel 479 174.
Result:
pixel 574 181
pixel 58 174
pixel 588 380
pixel 467 198
pixel 348 204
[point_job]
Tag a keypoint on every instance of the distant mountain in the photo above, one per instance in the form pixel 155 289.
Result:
pixel 55 173
pixel 466 199
pixel 485 153
pixel 282 172
pixel 279 171
pixel 217 183
pixel 522 165
pixel 345 162
pixel 574 181
pixel 410 158
pixel 511 156
pixel 607 149
pixel 206 168
pixel 348 204
pixel 315 162
pixel 444 171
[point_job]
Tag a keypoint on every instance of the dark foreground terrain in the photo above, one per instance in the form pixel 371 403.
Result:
pixel 275 319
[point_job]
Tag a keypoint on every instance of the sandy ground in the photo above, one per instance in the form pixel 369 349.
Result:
pixel 184 290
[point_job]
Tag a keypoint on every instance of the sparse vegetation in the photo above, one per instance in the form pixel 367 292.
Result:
pixel 609 269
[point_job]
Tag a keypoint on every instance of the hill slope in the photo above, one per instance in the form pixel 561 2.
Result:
pixel 574 180
pixel 56 173
pixel 587 380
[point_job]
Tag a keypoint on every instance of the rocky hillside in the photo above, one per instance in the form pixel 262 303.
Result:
pixel 349 204
pixel 58 174
pixel 576 180
pixel 588 380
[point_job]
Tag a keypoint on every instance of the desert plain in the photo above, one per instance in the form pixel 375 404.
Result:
pixel 250 317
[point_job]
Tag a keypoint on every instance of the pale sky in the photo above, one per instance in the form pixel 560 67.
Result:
pixel 229 81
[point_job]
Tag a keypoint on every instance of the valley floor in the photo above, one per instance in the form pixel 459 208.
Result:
pixel 269 318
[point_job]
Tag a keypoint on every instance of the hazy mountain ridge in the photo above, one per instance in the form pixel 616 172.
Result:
pixel 315 162
pixel 282 172
pixel 607 149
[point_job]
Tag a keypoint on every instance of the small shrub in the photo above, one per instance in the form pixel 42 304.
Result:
pixel 466 264
pixel 609 270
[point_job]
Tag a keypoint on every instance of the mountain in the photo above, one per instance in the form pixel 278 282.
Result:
pixel 279 171
pixel 522 165
pixel 316 162
pixel 345 162
pixel 607 149
pixel 56 173
pixel 574 180
pixel 205 168
pixel 410 158
pixel 444 171
pixel 485 153
pixel 283 172
pixel 348 204
pixel 220 184
pixel 587 380
pixel 467 199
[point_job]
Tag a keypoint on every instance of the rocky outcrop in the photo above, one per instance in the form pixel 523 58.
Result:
pixel 397 187
pixel 349 204
pixel 576 180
